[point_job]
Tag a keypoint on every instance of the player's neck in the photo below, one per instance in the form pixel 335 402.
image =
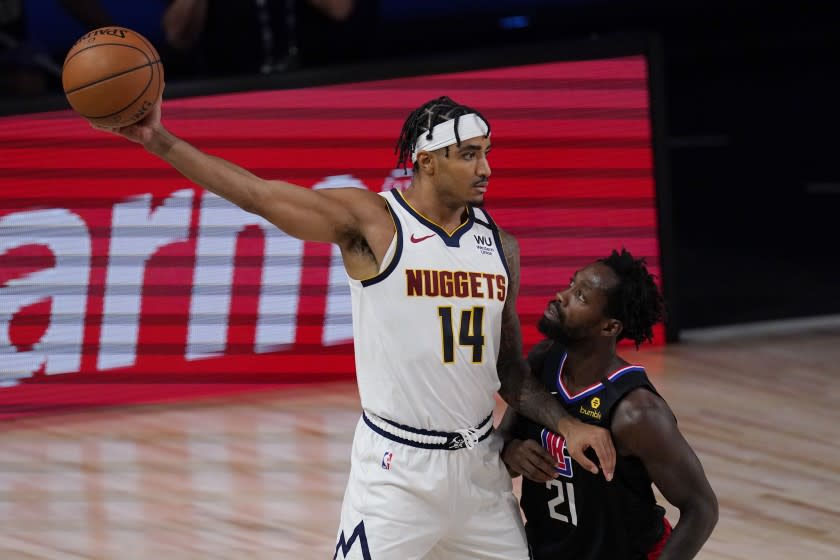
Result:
pixel 425 200
pixel 587 365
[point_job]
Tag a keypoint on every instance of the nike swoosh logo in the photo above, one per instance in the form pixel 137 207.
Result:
pixel 419 239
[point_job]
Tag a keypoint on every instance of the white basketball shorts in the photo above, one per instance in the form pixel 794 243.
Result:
pixel 419 494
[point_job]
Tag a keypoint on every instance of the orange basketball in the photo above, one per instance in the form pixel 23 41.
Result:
pixel 112 76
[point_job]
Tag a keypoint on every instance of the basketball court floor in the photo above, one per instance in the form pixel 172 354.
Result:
pixel 261 475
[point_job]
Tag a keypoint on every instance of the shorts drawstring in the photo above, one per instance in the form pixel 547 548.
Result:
pixel 470 436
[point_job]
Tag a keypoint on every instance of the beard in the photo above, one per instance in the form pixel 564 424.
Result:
pixel 556 331
pixel 551 329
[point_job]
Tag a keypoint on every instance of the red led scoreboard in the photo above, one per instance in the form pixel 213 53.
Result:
pixel 122 282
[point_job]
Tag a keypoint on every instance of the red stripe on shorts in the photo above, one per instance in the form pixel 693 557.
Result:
pixel 657 548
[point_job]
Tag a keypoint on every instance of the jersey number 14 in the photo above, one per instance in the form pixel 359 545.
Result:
pixel 470 333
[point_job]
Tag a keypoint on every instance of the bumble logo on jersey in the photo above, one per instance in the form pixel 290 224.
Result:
pixel 459 284
pixel 591 412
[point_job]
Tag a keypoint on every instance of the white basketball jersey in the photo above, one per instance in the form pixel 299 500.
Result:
pixel 427 327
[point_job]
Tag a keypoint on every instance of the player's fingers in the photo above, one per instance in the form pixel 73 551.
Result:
pixel 110 129
pixel 583 460
pixel 605 450
pixel 534 470
pixel 529 459
pixel 516 461
pixel 543 460
pixel 547 468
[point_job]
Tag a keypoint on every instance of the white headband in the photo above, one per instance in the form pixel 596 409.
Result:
pixel 443 134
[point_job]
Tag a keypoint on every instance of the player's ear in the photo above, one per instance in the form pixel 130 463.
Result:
pixel 612 327
pixel 426 163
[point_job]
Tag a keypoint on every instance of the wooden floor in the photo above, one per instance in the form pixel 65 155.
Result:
pixel 262 475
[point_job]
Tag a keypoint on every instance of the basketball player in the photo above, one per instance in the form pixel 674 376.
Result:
pixel 571 513
pixel 434 284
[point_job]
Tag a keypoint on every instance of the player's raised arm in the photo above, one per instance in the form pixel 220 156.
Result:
pixel 523 391
pixel 645 427
pixel 298 211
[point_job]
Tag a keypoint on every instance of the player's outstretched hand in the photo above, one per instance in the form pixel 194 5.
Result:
pixel 142 131
pixel 580 437
pixel 528 458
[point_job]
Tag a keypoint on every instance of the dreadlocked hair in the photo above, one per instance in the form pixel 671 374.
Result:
pixel 423 119
pixel 635 300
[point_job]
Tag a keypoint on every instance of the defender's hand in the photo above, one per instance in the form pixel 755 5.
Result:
pixel 580 437
pixel 528 458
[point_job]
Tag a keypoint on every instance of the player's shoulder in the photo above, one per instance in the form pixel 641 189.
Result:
pixel 510 249
pixel 642 423
pixel 508 239
pixel 539 353
pixel 640 408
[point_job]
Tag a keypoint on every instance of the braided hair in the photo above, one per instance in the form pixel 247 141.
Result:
pixel 423 120
pixel 635 300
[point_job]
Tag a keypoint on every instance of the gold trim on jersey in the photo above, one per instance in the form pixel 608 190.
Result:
pixel 434 223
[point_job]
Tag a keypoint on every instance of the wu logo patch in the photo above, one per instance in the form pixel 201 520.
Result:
pixel 346 545
pixel 484 244
pixel 484 240
pixel 556 445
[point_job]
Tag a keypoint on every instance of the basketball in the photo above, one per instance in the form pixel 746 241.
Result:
pixel 112 76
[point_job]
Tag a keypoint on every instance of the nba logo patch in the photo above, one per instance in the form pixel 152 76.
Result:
pixel 386 460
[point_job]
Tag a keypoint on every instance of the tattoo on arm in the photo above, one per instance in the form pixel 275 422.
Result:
pixel 519 387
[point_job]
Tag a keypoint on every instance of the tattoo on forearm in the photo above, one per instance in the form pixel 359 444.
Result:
pixel 519 387
pixel 523 391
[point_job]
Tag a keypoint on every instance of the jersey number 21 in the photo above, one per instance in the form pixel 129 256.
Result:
pixel 567 497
